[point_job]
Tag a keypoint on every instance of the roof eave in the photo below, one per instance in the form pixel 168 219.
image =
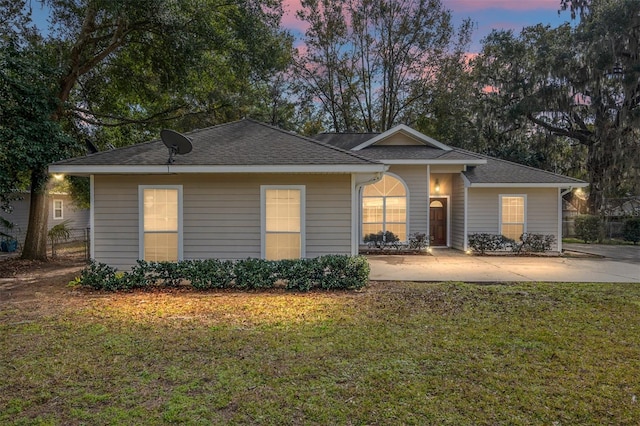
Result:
pixel 436 161
pixel 525 184
pixel 172 168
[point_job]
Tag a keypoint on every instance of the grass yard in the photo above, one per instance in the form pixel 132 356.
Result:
pixel 395 353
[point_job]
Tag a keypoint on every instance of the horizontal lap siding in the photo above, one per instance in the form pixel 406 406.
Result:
pixel 415 177
pixel 542 210
pixel 221 214
pixel 457 212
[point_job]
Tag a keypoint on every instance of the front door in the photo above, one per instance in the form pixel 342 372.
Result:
pixel 438 221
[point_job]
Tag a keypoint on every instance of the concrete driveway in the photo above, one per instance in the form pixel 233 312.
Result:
pixel 454 265
pixel 620 253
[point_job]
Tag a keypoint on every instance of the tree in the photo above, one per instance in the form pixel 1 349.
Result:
pixel 580 84
pixel 368 63
pixel 30 138
pixel 150 63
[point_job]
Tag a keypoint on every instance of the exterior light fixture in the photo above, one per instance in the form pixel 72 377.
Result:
pixel 437 187
pixel 58 176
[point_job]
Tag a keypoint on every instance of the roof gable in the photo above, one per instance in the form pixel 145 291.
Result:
pixel 402 135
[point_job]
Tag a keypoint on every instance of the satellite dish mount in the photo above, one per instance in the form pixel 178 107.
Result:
pixel 177 143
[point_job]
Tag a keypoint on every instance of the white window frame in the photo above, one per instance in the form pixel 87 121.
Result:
pixel 500 223
pixel 141 232
pixel 263 217
pixel 61 209
pixel 384 208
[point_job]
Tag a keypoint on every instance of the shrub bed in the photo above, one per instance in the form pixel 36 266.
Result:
pixel 529 243
pixel 328 272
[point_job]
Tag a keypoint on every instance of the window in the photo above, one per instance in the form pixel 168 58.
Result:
pixel 283 222
pixel 513 215
pixel 57 209
pixel 161 223
pixel 384 207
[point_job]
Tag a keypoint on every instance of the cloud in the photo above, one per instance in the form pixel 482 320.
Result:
pixel 507 5
pixel 289 19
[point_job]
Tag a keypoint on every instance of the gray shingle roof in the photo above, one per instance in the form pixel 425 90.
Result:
pixel 502 171
pixel 244 142
pixel 415 152
pixel 495 171
pixel 345 140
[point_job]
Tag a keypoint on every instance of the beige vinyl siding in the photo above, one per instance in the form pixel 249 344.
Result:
pixel 78 218
pixel 399 139
pixel 457 212
pixel 221 214
pixel 415 178
pixel 541 215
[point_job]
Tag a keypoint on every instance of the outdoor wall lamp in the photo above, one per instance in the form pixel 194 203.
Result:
pixel 437 187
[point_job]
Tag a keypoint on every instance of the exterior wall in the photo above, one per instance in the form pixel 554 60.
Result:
pixel 221 214
pixel 457 212
pixel 541 215
pixel 399 139
pixel 415 177
pixel 78 218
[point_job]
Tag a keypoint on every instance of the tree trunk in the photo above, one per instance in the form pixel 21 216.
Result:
pixel 35 244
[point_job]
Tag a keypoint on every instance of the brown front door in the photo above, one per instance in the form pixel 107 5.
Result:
pixel 438 221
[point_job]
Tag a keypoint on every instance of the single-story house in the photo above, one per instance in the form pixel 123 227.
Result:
pixel 62 208
pixel 248 189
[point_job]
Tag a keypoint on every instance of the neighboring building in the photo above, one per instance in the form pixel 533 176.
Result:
pixel 251 190
pixel 61 208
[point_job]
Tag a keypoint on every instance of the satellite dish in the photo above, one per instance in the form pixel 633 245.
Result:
pixel 177 143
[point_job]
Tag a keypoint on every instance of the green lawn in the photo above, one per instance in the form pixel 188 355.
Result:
pixel 395 353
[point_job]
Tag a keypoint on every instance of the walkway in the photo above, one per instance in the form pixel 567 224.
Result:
pixel 454 265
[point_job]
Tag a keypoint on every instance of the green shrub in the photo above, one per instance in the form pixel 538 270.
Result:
pixel 418 241
pixel 254 274
pixel 631 231
pixel 328 272
pixel 381 237
pixel 101 277
pixel 208 273
pixel 483 242
pixel 536 243
pixel 344 272
pixel 588 227
pixel 300 274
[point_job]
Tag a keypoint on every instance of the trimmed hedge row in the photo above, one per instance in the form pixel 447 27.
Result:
pixel 529 243
pixel 326 272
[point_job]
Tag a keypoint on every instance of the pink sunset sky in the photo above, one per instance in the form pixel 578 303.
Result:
pixel 485 14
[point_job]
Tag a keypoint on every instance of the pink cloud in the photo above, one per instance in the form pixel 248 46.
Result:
pixel 289 18
pixel 474 5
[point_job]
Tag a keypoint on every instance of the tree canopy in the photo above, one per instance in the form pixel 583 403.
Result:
pixel 574 83
pixel 122 69
pixel 369 64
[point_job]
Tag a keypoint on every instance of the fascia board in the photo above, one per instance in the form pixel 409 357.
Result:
pixel 437 162
pixel 102 169
pixel 525 185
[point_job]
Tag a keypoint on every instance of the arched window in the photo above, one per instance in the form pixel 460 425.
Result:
pixel 384 207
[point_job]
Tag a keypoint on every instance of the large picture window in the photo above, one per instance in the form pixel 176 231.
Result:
pixel 283 222
pixel 513 215
pixel 384 207
pixel 160 223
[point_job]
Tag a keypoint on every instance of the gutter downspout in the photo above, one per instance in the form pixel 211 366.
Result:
pixel 356 186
